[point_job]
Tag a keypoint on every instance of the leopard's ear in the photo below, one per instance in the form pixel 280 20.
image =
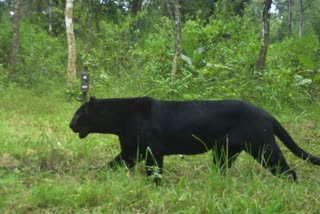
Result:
pixel 92 102
pixel 92 99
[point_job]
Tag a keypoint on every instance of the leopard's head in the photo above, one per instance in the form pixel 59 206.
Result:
pixel 83 119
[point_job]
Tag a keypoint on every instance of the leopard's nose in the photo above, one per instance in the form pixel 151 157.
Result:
pixel 71 125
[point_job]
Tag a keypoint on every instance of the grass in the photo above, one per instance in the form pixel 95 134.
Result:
pixel 45 168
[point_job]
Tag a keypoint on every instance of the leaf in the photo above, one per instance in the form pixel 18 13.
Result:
pixel 305 81
pixel 200 50
pixel 186 59
pixel 316 78
pixel 198 58
pixel 306 61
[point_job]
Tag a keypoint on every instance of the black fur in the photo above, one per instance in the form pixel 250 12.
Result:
pixel 149 129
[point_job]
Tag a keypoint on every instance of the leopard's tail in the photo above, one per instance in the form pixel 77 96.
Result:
pixel 284 136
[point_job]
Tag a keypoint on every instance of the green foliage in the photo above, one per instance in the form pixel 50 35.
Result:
pixel 41 57
pixel 4 42
pixel 133 56
pixel 42 60
pixel 292 64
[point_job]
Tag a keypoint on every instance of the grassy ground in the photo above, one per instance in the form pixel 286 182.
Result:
pixel 44 168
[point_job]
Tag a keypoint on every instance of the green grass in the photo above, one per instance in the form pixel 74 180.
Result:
pixel 45 168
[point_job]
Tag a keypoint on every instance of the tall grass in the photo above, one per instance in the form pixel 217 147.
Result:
pixel 45 168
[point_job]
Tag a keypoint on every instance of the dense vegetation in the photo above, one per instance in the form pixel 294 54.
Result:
pixel 45 168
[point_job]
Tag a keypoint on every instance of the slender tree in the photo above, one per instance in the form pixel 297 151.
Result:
pixel 301 15
pixel 71 42
pixel 89 27
pixel 50 17
pixel 136 7
pixel 174 11
pixel 303 6
pixel 290 12
pixel 97 8
pixel 15 38
pixel 265 40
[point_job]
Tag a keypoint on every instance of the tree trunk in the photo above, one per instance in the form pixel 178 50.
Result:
pixel 211 8
pixel 15 38
pixel 89 28
pixel 265 41
pixel 136 7
pixel 290 11
pixel 301 18
pixel 71 43
pixel 97 10
pixel 50 17
pixel 176 20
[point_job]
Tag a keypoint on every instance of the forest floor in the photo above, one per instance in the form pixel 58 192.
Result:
pixel 45 168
